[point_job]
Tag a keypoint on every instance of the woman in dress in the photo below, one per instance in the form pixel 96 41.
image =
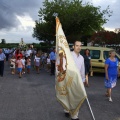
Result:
pixel 28 65
pixel 37 63
pixel 19 65
pixel 111 73
pixel 87 61
pixel 18 53
pixel 12 64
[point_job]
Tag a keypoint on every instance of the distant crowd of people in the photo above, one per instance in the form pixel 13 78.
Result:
pixel 21 61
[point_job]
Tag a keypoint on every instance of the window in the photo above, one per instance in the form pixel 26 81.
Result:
pixel 106 54
pixel 95 54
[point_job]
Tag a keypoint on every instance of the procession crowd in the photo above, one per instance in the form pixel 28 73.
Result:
pixel 22 60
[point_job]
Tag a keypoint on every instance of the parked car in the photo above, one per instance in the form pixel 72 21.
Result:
pixel 98 57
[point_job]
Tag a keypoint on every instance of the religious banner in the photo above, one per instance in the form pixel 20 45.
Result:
pixel 70 91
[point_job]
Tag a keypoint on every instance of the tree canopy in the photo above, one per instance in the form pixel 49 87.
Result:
pixel 77 19
pixel 106 37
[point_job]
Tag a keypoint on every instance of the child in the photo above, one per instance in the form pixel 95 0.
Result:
pixel 12 64
pixel 20 66
pixel 28 64
pixel 37 62
pixel 23 62
pixel 48 64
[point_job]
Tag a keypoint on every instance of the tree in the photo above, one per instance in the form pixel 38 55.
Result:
pixel 3 41
pixel 77 19
pixel 118 37
pixel 106 37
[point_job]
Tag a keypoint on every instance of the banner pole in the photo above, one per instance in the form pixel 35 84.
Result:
pixel 90 109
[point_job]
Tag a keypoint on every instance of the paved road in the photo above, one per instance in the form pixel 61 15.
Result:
pixel 33 98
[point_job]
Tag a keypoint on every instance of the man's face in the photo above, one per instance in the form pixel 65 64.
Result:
pixel 77 46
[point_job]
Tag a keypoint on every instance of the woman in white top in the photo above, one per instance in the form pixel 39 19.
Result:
pixel 37 63
pixel 12 64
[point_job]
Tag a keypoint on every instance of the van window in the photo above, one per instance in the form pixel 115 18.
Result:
pixel 95 54
pixel 106 54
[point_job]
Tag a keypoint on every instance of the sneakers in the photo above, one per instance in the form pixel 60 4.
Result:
pixel 110 99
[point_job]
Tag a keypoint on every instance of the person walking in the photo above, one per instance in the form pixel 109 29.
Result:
pixel 42 60
pixel 2 61
pixel 20 54
pixel 28 65
pixel 111 73
pixel 79 61
pixel 87 62
pixel 28 52
pixel 37 63
pixel 7 54
pixel 20 66
pixel 52 59
pixel 12 64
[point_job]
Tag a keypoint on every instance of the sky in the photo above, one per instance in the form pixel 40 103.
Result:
pixel 17 18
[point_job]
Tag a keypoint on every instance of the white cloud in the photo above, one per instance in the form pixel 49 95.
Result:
pixel 15 35
pixel 26 21
pixel 17 19
pixel 109 29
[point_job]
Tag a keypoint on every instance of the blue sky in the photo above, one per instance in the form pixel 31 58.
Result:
pixel 17 18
